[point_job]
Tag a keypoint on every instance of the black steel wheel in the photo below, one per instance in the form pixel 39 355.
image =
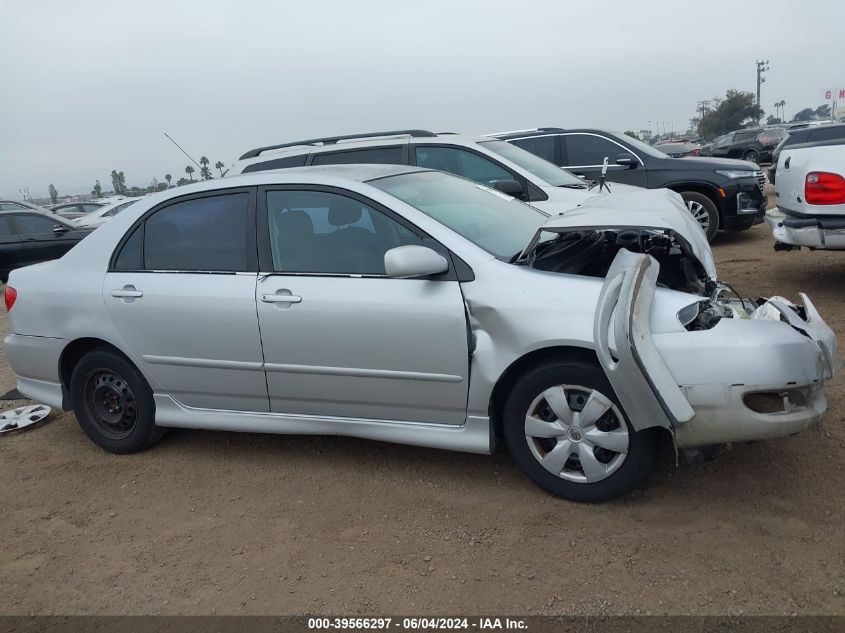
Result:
pixel 113 402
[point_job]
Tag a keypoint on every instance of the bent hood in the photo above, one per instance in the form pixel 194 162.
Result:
pixel 659 209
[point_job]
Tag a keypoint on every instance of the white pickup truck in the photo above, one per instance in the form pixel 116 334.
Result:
pixel 810 191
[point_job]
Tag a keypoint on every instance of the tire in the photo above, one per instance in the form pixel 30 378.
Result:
pixel 614 473
pixel 704 211
pixel 752 156
pixel 113 403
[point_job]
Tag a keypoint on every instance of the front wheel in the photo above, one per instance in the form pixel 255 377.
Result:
pixel 565 428
pixel 704 211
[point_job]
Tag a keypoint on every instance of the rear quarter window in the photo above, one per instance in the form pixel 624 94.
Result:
pixel 379 155
pixel 277 163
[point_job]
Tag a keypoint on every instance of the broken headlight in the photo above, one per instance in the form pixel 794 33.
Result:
pixel 687 315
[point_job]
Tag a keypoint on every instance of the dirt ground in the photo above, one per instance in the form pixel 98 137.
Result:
pixel 232 523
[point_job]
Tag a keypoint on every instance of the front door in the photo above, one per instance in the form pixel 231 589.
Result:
pixel 342 339
pixel 181 291
pixel 584 155
pixel 44 238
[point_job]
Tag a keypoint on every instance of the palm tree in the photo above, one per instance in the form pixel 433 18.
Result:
pixel 219 166
pixel 168 178
pixel 190 171
pixel 206 174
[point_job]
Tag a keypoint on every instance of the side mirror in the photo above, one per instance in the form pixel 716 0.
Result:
pixel 627 160
pixel 60 228
pixel 404 262
pixel 510 187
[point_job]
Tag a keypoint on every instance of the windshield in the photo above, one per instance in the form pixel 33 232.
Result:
pixel 640 146
pixel 540 167
pixel 491 220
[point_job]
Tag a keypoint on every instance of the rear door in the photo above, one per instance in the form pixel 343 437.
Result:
pixel 584 155
pixel 342 339
pixel 721 146
pixel 181 290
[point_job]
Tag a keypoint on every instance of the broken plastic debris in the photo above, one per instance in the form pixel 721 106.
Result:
pixel 23 417
pixel 768 311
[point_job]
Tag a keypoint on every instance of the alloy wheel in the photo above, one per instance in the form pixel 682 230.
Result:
pixel 111 403
pixel 576 433
pixel 700 214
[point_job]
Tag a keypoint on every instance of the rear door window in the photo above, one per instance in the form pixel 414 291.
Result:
pixel 589 150
pixel 462 163
pixel 203 234
pixel 542 146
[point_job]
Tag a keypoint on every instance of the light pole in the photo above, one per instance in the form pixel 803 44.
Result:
pixel 762 66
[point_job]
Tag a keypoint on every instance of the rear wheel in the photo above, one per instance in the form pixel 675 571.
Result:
pixel 113 403
pixel 704 211
pixel 752 156
pixel 566 430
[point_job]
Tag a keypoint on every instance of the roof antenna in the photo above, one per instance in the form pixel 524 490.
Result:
pixel 602 181
pixel 191 157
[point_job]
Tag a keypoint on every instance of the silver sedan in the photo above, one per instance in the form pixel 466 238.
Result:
pixel 412 306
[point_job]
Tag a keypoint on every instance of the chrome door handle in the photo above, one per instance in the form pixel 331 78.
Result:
pixel 127 293
pixel 268 298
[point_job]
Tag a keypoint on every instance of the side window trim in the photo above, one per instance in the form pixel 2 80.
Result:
pixel 252 253
pixel 265 255
pixel 610 164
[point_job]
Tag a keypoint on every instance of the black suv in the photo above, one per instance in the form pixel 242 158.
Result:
pixel 807 137
pixel 721 193
pixel 753 144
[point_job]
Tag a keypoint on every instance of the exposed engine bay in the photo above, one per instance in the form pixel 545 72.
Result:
pixel 590 252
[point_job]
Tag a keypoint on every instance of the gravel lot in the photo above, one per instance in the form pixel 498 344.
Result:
pixel 229 524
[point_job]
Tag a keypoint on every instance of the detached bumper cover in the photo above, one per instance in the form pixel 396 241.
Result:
pixel 768 376
pixel 823 232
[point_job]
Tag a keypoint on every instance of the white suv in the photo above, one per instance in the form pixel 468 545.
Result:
pixel 810 191
pixel 497 164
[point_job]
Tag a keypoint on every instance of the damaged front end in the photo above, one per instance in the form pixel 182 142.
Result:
pixel 734 369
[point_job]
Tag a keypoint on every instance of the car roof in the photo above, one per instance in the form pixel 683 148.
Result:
pixel 355 141
pixel 316 175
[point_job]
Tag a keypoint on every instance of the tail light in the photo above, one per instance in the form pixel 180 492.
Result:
pixel 696 151
pixel 11 295
pixel 822 187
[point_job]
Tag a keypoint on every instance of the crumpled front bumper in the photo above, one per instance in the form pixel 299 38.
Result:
pixel 753 379
pixel 822 232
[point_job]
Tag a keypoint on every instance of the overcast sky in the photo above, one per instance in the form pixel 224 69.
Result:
pixel 88 85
